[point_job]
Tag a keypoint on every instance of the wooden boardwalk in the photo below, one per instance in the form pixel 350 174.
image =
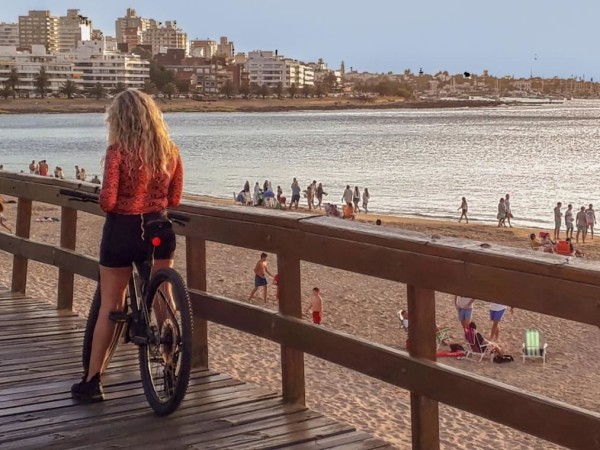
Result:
pixel 40 354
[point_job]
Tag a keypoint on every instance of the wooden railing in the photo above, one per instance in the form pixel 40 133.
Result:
pixel 426 264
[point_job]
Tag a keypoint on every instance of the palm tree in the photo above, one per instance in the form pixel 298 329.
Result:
pixel 6 91
pixel 69 88
pixel 98 91
pixel 42 82
pixel 293 90
pixel 119 87
pixel 13 81
pixel 149 87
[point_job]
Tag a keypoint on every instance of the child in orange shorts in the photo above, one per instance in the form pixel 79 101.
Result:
pixel 316 306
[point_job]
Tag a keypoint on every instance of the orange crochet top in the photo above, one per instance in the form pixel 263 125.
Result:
pixel 136 191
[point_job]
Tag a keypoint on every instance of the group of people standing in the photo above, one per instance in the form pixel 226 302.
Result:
pixel 42 168
pixel 314 193
pixel 584 220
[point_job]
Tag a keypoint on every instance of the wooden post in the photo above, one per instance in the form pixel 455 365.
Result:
pixel 422 344
pixel 290 303
pixel 195 257
pixel 68 239
pixel 22 229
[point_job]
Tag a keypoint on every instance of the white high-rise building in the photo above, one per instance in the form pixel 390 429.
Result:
pixel 270 69
pixel 164 37
pixel 9 34
pixel 101 62
pixel 28 65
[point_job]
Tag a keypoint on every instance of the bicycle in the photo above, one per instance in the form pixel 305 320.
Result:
pixel 157 318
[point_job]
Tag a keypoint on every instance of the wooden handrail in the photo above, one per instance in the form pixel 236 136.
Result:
pixel 427 264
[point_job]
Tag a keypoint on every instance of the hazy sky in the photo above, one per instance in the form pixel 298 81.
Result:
pixel 510 37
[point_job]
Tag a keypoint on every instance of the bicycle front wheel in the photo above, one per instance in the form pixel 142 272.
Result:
pixel 166 360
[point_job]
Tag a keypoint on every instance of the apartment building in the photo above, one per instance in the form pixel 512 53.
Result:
pixel 225 48
pixel 101 62
pixel 270 69
pixel 9 34
pixel 38 28
pixel 73 28
pixel 203 48
pixel 162 37
pixel 130 28
pixel 29 64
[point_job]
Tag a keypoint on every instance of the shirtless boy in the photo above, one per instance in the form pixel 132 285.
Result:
pixel 260 276
pixel 316 306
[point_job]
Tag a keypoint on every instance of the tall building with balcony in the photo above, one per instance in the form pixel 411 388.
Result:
pixel 73 28
pixel 101 62
pixel 29 64
pixel 164 37
pixel 9 34
pixel 271 69
pixel 129 28
pixel 38 28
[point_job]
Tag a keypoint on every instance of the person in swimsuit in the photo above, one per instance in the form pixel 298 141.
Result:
pixel 590 218
pixel 260 276
pixel 315 306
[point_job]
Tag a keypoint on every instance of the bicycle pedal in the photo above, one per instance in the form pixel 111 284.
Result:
pixel 119 317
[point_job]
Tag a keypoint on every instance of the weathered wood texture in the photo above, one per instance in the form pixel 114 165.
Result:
pixel 518 278
pixel 68 239
pixel 195 256
pixel 36 410
pixel 563 424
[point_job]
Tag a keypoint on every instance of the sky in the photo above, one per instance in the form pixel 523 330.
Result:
pixel 511 37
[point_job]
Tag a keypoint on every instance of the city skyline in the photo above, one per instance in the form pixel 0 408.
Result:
pixel 543 38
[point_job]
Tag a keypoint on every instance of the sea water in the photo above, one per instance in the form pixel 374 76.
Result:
pixel 415 162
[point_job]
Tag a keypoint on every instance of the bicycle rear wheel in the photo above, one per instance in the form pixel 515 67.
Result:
pixel 166 360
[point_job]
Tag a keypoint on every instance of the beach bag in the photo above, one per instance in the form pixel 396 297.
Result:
pixel 499 359
pixel 456 348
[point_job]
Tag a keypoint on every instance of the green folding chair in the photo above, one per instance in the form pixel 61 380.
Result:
pixel 532 347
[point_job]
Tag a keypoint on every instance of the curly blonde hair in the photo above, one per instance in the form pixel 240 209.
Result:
pixel 136 125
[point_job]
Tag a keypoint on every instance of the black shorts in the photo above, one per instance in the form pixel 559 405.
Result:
pixel 122 242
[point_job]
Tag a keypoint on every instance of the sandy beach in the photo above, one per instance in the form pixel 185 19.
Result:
pixel 85 105
pixel 367 309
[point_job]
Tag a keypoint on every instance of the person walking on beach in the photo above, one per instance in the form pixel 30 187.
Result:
pixel 508 210
pixel 347 196
pixel 247 186
pixel 279 193
pixel 310 197
pixel 313 188
pixel 464 209
pixel 569 219
pixel 143 176
pixel 260 276
pixel 581 224
pixel 82 174
pixel 33 167
pixel 365 198
pixel 255 195
pixel 464 308
pixel 557 220
pixel 315 306
pixel 319 194
pixel 590 218
pixel 295 194
pixel 501 216
pixel 356 199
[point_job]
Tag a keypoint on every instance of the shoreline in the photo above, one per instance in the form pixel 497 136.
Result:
pixel 76 106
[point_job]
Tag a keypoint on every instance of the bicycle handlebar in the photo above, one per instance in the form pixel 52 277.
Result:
pixel 92 198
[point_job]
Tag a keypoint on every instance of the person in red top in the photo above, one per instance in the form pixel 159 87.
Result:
pixel 143 176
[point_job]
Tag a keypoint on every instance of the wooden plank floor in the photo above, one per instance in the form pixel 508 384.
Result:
pixel 40 354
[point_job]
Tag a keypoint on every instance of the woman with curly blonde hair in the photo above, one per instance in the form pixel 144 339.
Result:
pixel 143 176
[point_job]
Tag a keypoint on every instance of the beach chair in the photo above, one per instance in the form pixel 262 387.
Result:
pixel 532 347
pixel 442 335
pixel 477 348
pixel 563 248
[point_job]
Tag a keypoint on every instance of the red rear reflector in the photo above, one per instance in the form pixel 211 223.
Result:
pixel 156 241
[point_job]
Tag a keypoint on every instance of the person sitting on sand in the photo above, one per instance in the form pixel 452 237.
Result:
pixel 574 251
pixel 547 244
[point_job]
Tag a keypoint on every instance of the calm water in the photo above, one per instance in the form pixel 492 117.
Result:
pixel 414 162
